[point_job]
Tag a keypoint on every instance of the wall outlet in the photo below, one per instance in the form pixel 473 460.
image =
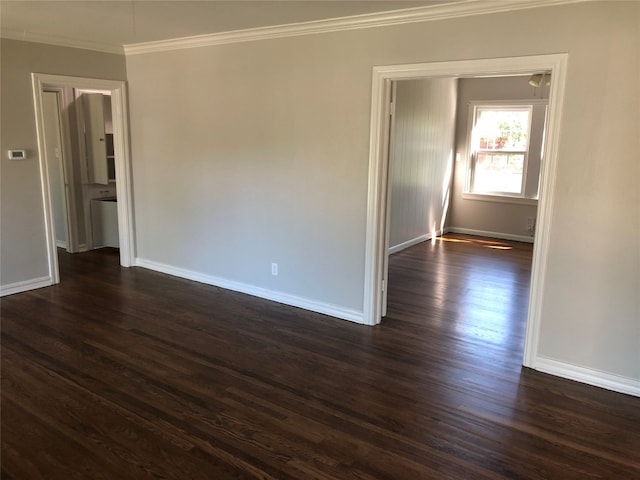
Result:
pixel 531 225
pixel 274 269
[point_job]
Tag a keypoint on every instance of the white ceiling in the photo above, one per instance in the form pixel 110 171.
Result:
pixel 114 23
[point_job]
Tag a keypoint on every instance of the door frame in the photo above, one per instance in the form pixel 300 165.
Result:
pixel 120 119
pixel 375 254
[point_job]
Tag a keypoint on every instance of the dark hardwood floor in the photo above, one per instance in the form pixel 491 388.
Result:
pixel 130 374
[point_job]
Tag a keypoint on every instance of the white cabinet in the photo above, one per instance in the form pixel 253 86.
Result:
pixel 99 192
pixel 104 223
pixel 95 138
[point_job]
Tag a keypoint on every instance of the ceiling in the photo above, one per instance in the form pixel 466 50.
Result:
pixel 114 23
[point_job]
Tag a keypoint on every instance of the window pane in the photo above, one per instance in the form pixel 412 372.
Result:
pixel 498 172
pixel 501 129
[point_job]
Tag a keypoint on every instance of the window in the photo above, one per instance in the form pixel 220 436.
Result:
pixel 499 149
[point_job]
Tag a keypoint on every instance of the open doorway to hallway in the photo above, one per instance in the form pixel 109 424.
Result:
pixel 92 115
pixel 80 157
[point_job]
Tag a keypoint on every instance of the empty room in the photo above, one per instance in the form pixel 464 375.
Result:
pixel 320 239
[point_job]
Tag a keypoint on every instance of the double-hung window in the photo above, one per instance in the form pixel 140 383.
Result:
pixel 501 142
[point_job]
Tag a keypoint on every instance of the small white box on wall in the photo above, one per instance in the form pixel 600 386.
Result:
pixel 19 154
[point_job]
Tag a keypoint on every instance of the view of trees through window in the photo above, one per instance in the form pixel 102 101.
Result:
pixel 500 142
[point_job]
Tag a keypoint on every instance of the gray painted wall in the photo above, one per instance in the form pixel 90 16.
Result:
pixel 23 250
pixel 421 160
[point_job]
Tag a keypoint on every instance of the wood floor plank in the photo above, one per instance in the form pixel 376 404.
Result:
pixel 128 373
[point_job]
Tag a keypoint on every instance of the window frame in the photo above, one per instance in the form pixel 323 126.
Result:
pixel 471 155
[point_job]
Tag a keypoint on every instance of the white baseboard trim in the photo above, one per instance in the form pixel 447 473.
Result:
pixel 413 241
pixel 610 381
pixel 485 233
pixel 25 286
pixel 337 311
pixel 61 244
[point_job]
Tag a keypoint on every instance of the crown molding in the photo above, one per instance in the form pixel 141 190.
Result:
pixel 35 37
pixel 462 8
pixel 456 9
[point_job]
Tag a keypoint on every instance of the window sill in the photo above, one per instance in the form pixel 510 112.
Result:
pixel 500 199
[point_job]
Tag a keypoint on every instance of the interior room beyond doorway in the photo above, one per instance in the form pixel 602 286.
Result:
pixel 465 156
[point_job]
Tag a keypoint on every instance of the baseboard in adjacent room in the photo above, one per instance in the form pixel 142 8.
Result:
pixel 413 241
pixel 273 295
pixel 589 376
pixel 488 234
pixel 24 286
pixel 61 244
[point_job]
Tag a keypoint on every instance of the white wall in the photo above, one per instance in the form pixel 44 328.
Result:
pixel 509 219
pixel 23 250
pixel 421 159
pixel 250 153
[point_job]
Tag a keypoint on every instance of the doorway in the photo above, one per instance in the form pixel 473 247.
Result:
pixel 376 250
pixel 121 165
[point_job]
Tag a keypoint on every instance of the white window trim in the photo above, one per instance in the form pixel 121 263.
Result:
pixel 467 194
pixel 487 197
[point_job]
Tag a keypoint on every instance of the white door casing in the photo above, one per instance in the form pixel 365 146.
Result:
pixel 376 243
pixel 391 86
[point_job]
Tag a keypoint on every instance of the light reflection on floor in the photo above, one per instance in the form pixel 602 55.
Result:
pixel 491 302
pixel 470 295
pixel 487 308
pixel 487 305
pixel 485 243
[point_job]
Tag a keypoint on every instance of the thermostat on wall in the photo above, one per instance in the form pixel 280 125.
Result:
pixel 17 154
